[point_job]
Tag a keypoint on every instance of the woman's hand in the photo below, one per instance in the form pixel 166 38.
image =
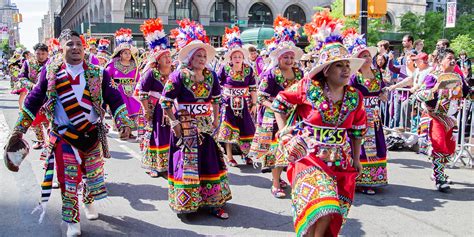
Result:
pixel 253 110
pixel 177 131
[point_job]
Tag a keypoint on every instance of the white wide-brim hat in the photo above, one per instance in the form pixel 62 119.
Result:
pixel 372 51
pixel 233 50
pixel 334 53
pixel 124 46
pixel 282 49
pixel 193 45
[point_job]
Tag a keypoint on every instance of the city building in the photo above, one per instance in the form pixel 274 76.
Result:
pixel 436 5
pixel 47 29
pixel 107 16
pixel 8 25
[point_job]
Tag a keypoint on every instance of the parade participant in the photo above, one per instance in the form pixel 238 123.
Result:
pixel 92 45
pixel 90 55
pixel 151 85
pixel 28 78
pixel 280 76
pixel 369 82
pixel 14 68
pixel 72 91
pixel 441 91
pixel 255 60
pixel 123 70
pixel 197 174
pixel 103 54
pixel 238 82
pixel 54 47
pixel 322 172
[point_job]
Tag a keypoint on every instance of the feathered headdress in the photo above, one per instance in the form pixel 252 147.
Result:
pixel 323 29
pixel 123 36
pixel 285 31
pixel 356 43
pixel 103 44
pixel 92 41
pixel 84 43
pixel 53 45
pixel 232 38
pixel 324 33
pixel 154 34
pixel 187 32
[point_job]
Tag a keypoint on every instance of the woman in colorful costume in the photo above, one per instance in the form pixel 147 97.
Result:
pixel 369 81
pixel 328 111
pixel 124 71
pixel 72 91
pixel 197 172
pixel 151 86
pixel 103 52
pixel 238 82
pixel 15 64
pixel 279 77
pixel 28 78
pixel 442 102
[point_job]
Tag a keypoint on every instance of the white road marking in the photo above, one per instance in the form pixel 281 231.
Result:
pixel 133 153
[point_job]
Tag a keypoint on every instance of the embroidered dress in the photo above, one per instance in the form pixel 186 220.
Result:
pixel 264 144
pixel 158 147
pixel 74 107
pixel 237 126
pixel 373 155
pixel 27 79
pixel 197 174
pixel 124 79
pixel 440 108
pixel 15 84
pixel 322 178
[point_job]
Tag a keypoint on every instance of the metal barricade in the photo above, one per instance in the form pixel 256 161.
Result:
pixel 463 148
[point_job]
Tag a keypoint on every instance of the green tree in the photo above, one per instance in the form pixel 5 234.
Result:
pixel 5 47
pixel 463 42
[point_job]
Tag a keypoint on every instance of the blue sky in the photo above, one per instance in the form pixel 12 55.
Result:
pixel 32 11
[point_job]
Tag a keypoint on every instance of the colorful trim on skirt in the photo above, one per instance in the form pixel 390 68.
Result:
pixel 212 191
pixel 156 158
pixel 374 173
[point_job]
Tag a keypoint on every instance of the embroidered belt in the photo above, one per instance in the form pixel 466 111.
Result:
pixel 155 94
pixel 327 143
pixel 371 101
pixel 325 135
pixel 83 141
pixel 196 109
pixel 236 91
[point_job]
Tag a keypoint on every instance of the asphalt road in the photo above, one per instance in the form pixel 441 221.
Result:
pixel 138 206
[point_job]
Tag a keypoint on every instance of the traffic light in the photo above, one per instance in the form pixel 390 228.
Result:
pixel 17 18
pixel 375 9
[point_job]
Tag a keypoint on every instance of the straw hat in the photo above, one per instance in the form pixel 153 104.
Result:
pixel 325 35
pixel 191 36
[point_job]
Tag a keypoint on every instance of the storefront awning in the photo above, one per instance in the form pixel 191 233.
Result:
pixel 256 36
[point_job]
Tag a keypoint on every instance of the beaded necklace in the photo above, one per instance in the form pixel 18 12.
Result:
pixel 238 76
pixel 371 84
pixel 158 76
pixel 285 83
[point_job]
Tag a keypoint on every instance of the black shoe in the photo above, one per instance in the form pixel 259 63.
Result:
pixel 443 186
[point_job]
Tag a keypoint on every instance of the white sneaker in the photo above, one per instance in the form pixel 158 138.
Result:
pixel 91 213
pixel 73 229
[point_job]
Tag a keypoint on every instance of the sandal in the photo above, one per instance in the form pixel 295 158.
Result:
pixel 278 192
pixel 283 184
pixel 153 173
pixel 220 213
pixel 232 163
pixel 367 191
pixel 248 161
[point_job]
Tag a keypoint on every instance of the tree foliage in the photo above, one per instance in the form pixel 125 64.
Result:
pixel 5 47
pixel 463 42
pixel 430 27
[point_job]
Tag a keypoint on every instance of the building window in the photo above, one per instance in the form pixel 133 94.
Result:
pixel 180 9
pixel 140 9
pixel 296 14
pixel 222 11
pixel 260 13
pixel 386 20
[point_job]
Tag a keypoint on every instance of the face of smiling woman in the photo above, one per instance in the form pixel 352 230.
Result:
pixel 338 73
